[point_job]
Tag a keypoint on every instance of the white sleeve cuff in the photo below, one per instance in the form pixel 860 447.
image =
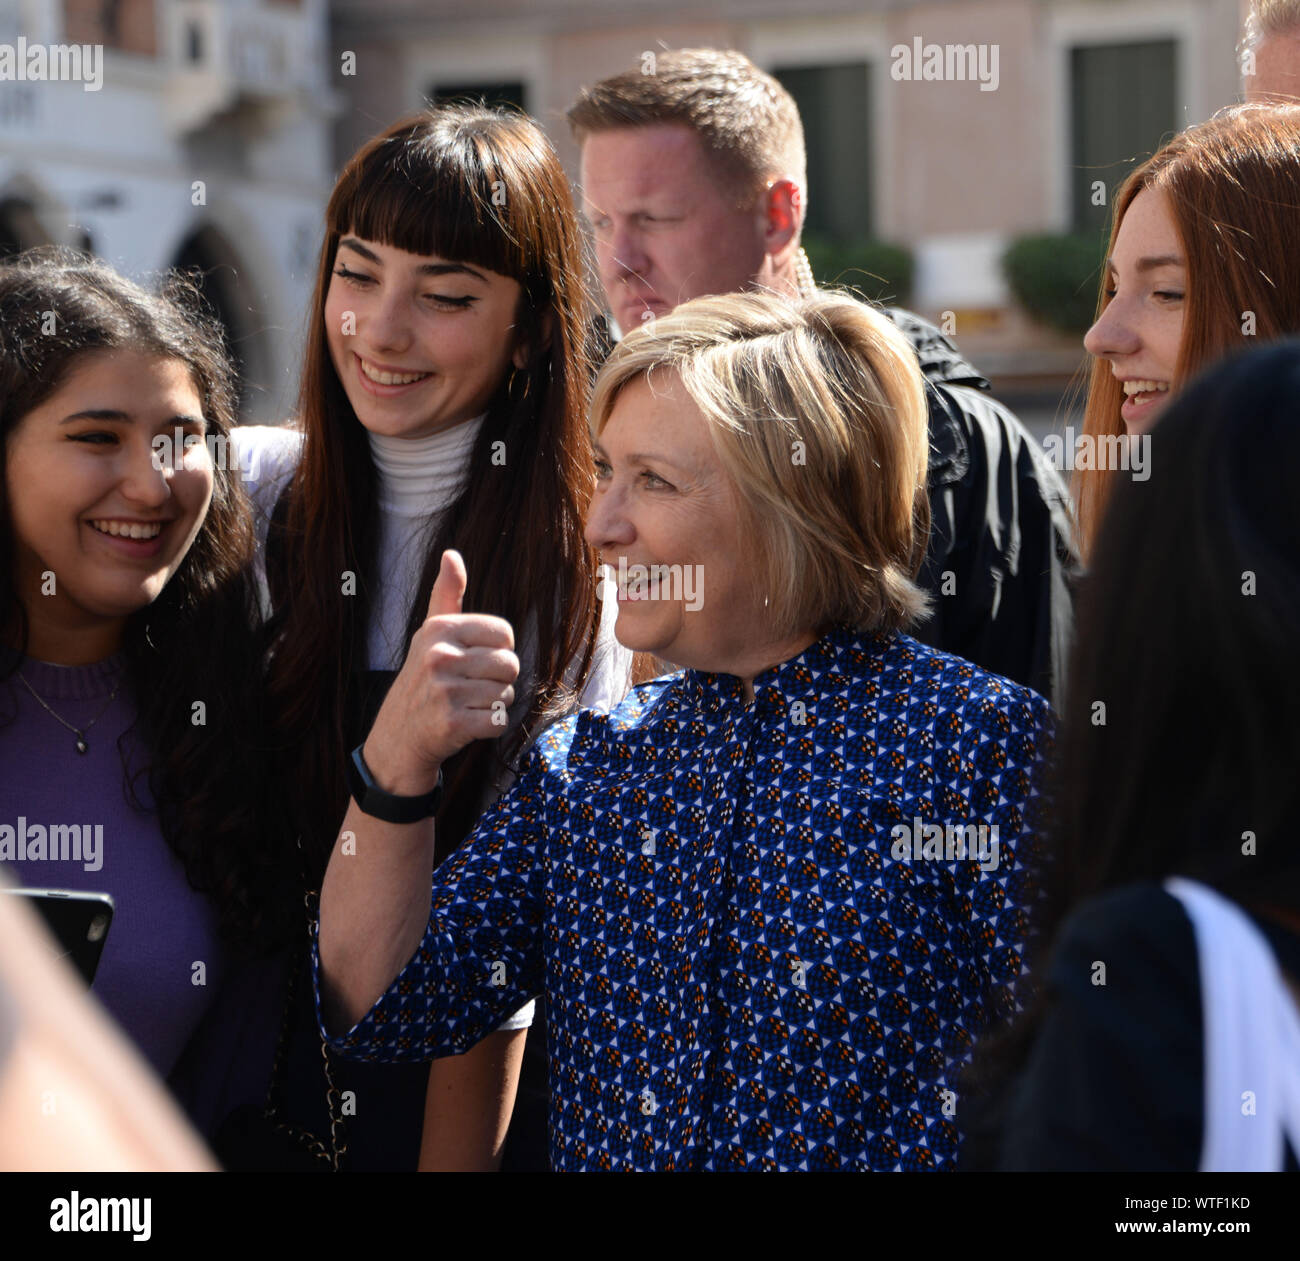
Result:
pixel 522 1019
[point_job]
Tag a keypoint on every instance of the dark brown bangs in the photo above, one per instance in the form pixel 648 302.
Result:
pixel 434 190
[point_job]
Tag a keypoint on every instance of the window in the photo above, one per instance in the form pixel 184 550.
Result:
pixel 221 278
pixel 509 93
pixel 19 227
pixel 1123 108
pixel 128 26
pixel 834 103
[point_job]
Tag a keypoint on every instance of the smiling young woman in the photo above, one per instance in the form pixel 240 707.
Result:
pixel 420 344
pixel 89 506
pixel 1200 264
pixel 443 406
pixel 130 686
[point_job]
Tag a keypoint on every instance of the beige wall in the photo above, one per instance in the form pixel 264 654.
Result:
pixel 375 98
pixel 137 31
pixel 970 160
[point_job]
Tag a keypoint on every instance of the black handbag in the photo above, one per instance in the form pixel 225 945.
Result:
pixel 260 1139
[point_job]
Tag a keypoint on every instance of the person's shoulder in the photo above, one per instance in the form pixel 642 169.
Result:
pixel 1000 733
pixel 937 354
pixel 1143 913
pixel 594 736
pixel 1137 937
pixel 640 708
pixel 1114 1079
pixel 992 437
pixel 644 700
pixel 268 455
pixel 1125 962
pixel 955 684
pixel 970 430
pixel 976 440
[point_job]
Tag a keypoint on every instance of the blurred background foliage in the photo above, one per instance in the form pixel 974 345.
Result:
pixel 1055 277
pixel 878 270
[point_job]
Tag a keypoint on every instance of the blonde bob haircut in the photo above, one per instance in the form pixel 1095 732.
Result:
pixel 816 408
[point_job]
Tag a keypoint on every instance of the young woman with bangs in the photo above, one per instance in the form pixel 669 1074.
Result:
pixel 1200 263
pixel 442 430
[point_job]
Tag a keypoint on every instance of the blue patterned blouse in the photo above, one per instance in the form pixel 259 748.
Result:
pixel 767 933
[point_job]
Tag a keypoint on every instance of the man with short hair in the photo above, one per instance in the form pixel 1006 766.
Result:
pixel 693 178
pixel 1272 48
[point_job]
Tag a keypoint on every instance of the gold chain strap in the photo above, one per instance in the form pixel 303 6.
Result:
pixel 333 1097
pixel 334 1151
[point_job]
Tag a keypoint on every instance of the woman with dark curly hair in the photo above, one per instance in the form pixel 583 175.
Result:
pixel 130 684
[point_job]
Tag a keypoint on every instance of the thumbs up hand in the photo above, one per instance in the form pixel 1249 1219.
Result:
pixel 455 687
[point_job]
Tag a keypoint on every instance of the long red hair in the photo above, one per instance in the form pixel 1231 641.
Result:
pixel 1233 185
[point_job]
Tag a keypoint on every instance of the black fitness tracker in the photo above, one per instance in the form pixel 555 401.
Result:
pixel 374 801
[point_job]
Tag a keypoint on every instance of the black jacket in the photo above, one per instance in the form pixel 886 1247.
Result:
pixel 1001 559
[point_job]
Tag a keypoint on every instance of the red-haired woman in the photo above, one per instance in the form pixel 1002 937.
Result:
pixel 1201 263
pixel 443 406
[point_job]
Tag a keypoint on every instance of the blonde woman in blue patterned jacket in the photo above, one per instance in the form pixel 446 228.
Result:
pixel 771 898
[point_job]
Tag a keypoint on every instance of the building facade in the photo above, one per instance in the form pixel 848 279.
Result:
pixel 1011 141
pixel 206 143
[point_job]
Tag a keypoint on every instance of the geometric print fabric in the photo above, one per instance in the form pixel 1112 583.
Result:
pixel 739 972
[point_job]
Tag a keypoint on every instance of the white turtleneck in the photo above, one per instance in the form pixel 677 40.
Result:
pixel 415 473
pixel 419 478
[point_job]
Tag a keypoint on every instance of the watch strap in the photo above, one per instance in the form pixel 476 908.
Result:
pixel 374 801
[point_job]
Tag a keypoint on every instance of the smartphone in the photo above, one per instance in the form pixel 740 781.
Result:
pixel 79 923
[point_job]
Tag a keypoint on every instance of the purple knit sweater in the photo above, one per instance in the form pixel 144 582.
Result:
pixel 148 978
